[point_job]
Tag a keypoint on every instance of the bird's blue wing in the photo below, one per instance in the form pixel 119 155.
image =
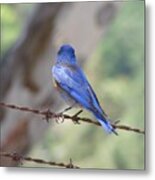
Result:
pixel 74 82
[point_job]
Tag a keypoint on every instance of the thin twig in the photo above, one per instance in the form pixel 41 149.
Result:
pixel 19 158
pixel 75 118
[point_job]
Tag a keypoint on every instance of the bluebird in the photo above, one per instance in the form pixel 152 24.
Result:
pixel 74 87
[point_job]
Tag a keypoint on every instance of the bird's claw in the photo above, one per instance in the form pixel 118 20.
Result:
pixel 66 109
pixel 75 118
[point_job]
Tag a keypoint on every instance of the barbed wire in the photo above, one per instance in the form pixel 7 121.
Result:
pixel 47 115
pixel 19 158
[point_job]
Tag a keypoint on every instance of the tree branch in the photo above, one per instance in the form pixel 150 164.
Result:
pixel 47 115
pixel 19 158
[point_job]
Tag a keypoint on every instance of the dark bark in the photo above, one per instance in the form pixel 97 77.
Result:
pixel 32 43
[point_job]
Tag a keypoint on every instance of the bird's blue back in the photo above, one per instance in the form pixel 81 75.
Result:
pixel 70 78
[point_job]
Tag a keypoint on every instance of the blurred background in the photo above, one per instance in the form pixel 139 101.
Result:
pixel 109 42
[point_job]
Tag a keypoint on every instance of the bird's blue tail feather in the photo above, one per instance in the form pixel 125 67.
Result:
pixel 106 124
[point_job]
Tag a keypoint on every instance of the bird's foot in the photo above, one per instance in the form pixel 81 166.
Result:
pixel 75 117
pixel 66 109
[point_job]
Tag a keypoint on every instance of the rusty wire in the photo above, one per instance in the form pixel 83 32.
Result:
pixel 19 158
pixel 47 115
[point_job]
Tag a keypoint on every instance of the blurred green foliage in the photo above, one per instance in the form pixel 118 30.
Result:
pixel 116 72
pixel 12 20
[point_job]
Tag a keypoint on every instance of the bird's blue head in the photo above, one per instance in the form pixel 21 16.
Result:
pixel 66 54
